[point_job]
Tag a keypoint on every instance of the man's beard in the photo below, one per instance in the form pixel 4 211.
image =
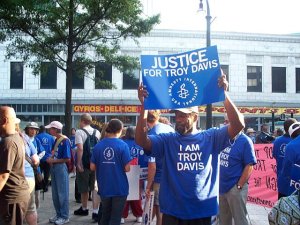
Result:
pixel 184 128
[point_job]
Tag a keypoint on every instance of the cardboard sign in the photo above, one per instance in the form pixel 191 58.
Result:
pixel 263 181
pixel 133 180
pixel 148 209
pixel 182 80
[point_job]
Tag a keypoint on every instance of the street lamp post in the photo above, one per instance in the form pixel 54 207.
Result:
pixel 208 22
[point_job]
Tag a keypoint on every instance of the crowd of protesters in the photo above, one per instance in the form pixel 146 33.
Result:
pixel 182 193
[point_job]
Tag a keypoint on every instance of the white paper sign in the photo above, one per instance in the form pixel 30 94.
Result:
pixel 148 209
pixel 133 179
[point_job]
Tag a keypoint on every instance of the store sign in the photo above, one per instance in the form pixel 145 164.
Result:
pixel 182 80
pixel 202 109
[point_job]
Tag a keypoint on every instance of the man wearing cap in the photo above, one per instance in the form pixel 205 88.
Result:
pixel 189 185
pixel 292 156
pixel 279 147
pixel 251 133
pixel 31 130
pixel 59 173
pixel 14 193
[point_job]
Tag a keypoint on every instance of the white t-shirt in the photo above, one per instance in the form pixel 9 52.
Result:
pixel 80 135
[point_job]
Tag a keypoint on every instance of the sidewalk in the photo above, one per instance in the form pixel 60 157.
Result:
pixel 258 215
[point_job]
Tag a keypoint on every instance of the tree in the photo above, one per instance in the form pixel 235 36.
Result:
pixel 61 31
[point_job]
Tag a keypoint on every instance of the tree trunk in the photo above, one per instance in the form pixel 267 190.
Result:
pixel 69 72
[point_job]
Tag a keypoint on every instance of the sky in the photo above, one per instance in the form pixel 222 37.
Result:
pixel 250 16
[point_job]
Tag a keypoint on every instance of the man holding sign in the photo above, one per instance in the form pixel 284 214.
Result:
pixel 189 180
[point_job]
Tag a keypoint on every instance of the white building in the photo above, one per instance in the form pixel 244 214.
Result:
pixel 263 72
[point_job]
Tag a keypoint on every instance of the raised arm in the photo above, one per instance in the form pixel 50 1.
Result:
pixel 141 137
pixel 235 118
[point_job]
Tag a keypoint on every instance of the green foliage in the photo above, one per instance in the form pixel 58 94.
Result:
pixel 55 30
pixel 72 32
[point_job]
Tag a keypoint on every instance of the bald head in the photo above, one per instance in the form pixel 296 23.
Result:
pixel 7 121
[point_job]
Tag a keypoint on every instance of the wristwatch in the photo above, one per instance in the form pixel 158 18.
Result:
pixel 239 186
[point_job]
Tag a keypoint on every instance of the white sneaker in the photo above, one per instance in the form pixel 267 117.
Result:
pixel 122 220
pixel 61 221
pixel 53 219
pixel 139 219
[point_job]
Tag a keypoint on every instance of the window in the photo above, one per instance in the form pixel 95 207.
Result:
pixel 254 74
pixel 297 80
pixel 16 75
pixel 131 79
pixel 103 75
pixel 48 75
pixel 225 69
pixel 278 79
pixel 78 76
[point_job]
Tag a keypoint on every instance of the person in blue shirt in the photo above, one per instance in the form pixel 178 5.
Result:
pixel 59 173
pixel 47 142
pixel 189 186
pixel 31 130
pixel 31 152
pixel 134 149
pixel 155 164
pixel 236 165
pixel 292 156
pixel 278 153
pixel 111 160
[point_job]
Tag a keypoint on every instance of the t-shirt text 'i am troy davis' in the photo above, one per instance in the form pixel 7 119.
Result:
pixel 224 156
pixel 189 158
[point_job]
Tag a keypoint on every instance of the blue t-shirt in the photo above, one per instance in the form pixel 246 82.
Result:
pixel 47 142
pixel 63 150
pixel 134 149
pixel 292 156
pixel 30 150
pixel 39 147
pixel 279 147
pixel 110 156
pixel 189 186
pixel 159 128
pixel 143 159
pixel 72 139
pixel 233 160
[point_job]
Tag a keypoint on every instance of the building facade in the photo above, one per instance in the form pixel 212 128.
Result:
pixel 263 72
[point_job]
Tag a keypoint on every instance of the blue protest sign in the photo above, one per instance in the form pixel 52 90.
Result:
pixel 182 80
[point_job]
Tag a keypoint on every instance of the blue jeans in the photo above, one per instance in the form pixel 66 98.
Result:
pixel 112 208
pixel 60 189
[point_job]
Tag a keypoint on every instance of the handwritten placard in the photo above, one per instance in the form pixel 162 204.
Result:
pixel 263 180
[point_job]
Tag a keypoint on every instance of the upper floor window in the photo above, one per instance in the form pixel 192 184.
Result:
pixel 225 69
pixel 297 80
pixel 103 75
pixel 77 76
pixel 279 79
pixel 254 78
pixel 16 75
pixel 48 75
pixel 131 79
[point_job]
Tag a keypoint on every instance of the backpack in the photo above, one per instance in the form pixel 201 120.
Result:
pixel 88 147
pixel 70 164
